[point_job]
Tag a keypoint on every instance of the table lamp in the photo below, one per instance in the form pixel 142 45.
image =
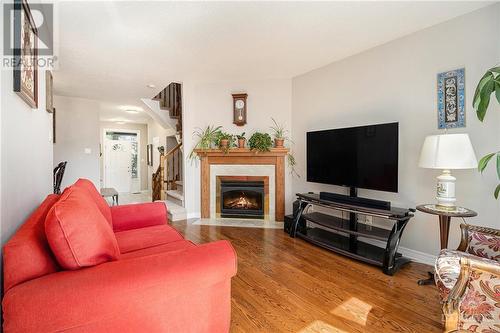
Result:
pixel 447 152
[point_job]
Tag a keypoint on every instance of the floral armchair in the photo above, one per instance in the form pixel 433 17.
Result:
pixel 468 280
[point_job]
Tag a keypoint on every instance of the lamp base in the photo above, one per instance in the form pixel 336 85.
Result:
pixel 445 191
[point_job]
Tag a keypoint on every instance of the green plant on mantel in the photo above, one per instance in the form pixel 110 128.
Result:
pixel 221 135
pixel 279 131
pixel 488 85
pixel 260 142
pixel 206 138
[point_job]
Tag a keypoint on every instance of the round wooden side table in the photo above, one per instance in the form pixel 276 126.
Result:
pixel 444 226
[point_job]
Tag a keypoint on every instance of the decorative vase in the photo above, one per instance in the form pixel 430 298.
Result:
pixel 224 143
pixel 278 142
pixel 241 143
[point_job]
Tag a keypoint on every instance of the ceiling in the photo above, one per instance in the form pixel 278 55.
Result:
pixel 119 112
pixel 111 51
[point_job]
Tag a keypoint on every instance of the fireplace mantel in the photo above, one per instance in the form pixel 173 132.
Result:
pixel 243 156
pixel 241 152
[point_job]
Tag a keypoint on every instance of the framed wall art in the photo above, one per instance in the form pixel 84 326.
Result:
pixel 150 154
pixel 451 99
pixel 49 94
pixel 25 54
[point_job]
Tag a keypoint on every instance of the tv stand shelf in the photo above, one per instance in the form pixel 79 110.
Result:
pixel 340 235
pixel 343 225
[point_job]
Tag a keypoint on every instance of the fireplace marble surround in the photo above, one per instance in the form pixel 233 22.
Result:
pixel 243 162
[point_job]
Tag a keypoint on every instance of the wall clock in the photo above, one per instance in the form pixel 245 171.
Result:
pixel 240 109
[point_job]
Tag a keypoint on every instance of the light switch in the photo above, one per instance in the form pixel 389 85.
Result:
pixel 88 151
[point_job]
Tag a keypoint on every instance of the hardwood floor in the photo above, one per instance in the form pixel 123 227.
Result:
pixel 288 285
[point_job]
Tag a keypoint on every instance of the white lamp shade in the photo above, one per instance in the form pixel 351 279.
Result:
pixel 447 151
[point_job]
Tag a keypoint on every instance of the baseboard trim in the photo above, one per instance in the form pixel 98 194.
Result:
pixel 418 256
pixel 414 255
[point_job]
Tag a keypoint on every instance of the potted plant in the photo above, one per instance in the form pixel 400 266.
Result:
pixel 279 133
pixel 260 142
pixel 241 140
pixel 206 138
pixel 489 84
pixel 224 140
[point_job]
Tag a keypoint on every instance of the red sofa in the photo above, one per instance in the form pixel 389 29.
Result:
pixel 158 281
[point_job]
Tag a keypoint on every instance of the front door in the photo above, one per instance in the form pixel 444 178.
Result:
pixel 120 161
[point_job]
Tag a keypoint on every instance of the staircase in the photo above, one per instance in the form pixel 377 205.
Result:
pixel 170 100
pixel 167 181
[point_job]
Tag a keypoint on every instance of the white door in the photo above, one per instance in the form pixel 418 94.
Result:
pixel 118 164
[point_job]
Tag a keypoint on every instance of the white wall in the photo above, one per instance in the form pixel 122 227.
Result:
pixel 26 154
pixel 211 104
pixel 77 128
pixel 397 82
pixel 143 139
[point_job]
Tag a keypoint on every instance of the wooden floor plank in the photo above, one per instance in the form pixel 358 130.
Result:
pixel 288 285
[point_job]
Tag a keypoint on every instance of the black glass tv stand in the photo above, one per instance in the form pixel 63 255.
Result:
pixel 341 235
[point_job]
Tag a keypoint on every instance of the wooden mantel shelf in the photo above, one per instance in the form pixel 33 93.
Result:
pixel 276 157
pixel 241 152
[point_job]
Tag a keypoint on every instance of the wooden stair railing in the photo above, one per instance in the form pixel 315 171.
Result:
pixel 169 171
pixel 170 100
pixel 157 184
pixel 173 167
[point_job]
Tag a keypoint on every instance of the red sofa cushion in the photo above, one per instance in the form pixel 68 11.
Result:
pixel 135 216
pixel 27 255
pixel 97 198
pixel 78 233
pixel 170 247
pixel 136 239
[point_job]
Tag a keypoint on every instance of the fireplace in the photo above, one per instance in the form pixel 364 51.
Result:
pixel 243 199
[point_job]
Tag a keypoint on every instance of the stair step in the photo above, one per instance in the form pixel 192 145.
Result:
pixel 175 212
pixel 176 195
pixel 179 182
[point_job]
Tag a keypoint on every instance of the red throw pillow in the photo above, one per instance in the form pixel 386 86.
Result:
pixel 78 233
pixel 97 197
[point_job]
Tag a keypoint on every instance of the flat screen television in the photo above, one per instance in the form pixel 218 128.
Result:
pixel 361 157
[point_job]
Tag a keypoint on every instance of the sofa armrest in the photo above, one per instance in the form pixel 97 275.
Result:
pixel 134 216
pixel 149 286
pixel 474 288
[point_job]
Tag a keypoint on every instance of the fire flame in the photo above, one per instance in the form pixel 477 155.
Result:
pixel 242 203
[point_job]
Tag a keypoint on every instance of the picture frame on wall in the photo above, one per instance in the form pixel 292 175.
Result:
pixel 25 54
pixel 150 154
pixel 49 94
pixel 451 99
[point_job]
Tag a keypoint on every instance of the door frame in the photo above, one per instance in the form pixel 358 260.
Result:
pixel 122 130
